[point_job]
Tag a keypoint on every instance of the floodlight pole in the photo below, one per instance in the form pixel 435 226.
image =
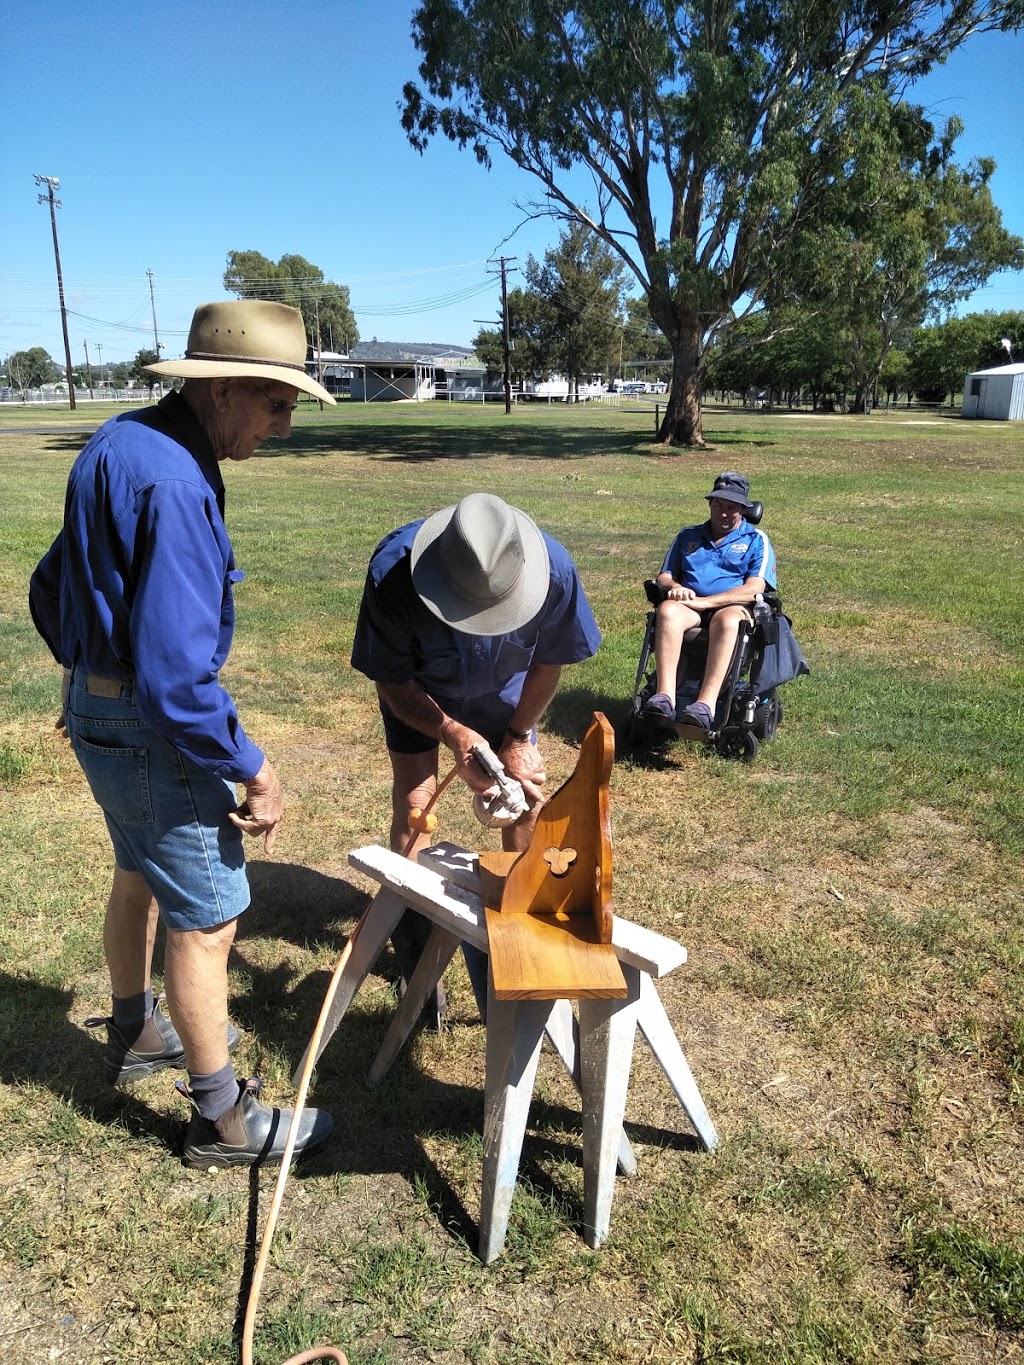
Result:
pixel 52 183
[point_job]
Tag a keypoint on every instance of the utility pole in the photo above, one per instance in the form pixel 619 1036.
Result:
pixel 507 344
pixel 319 354
pixel 156 339
pixel 52 183
pixel 99 347
pixel 88 367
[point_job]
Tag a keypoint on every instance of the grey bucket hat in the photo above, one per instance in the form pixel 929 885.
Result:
pixel 481 566
pixel 246 338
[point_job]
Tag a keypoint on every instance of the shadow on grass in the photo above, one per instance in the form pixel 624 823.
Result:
pixel 69 443
pixel 39 1045
pixel 572 710
pixel 300 905
pixel 417 442
pixel 422 442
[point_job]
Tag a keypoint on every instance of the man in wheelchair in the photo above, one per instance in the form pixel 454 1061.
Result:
pixel 709 580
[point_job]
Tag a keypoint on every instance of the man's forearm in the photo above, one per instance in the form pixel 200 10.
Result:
pixel 744 594
pixel 539 686
pixel 414 706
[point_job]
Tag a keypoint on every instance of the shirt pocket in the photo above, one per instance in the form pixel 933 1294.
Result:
pixel 118 777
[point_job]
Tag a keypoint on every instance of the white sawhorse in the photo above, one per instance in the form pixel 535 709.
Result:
pixel 597 1051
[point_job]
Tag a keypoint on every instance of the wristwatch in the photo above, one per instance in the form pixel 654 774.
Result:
pixel 518 734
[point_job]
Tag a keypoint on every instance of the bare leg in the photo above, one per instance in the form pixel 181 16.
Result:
pixel 722 634
pixel 196 978
pixel 414 781
pixel 129 932
pixel 516 838
pixel 671 624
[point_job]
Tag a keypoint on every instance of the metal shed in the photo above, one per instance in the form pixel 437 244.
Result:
pixel 997 394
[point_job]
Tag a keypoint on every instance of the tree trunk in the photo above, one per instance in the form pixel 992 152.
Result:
pixel 682 424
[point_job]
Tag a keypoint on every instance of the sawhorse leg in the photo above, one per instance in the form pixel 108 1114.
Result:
pixel 369 938
pixel 564 1034
pixel 438 951
pixel 607 1031
pixel 656 1028
pixel 515 1031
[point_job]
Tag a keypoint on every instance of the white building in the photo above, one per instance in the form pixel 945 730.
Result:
pixel 997 394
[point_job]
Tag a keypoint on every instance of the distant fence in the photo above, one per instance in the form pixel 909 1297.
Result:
pixel 49 397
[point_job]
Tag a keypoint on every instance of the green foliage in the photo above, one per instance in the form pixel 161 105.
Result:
pixel 138 370
pixel 744 119
pixel 569 318
pixel 294 280
pixel 644 340
pixel 14 764
pixel 975 1274
pixel 29 369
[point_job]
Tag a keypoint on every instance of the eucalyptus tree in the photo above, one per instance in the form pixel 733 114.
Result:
pixel 705 142
pixel 325 306
pixel 914 234
pixel 528 333
pixel 569 318
pixel 31 368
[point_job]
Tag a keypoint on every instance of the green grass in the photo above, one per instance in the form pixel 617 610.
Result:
pixel 853 1006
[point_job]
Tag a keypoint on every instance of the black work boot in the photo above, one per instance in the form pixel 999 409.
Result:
pixel 250 1134
pixel 154 1047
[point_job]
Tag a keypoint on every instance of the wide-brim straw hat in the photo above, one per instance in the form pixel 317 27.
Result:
pixel 246 338
pixel 481 566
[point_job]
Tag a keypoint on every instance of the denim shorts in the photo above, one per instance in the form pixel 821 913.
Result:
pixel 167 817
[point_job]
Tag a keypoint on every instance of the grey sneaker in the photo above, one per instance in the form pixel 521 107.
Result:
pixel 157 1046
pixel 250 1134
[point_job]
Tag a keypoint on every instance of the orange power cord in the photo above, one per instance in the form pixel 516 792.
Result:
pixel 422 822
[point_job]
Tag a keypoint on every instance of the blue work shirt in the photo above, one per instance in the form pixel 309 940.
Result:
pixel 695 561
pixel 475 678
pixel 138 585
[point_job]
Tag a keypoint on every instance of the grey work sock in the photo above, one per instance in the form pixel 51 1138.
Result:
pixel 214 1093
pixel 130 1013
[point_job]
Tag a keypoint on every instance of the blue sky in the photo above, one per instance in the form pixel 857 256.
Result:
pixel 182 131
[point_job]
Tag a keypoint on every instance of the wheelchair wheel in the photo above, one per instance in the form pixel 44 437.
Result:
pixel 767 718
pixel 736 743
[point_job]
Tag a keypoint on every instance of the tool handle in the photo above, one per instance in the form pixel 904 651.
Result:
pixel 511 790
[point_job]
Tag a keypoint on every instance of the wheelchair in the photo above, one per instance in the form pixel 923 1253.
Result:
pixel 748 714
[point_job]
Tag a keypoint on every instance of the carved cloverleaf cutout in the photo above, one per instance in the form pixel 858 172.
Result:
pixel 559 860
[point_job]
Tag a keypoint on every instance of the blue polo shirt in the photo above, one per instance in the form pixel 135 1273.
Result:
pixel 695 561
pixel 478 679
pixel 138 585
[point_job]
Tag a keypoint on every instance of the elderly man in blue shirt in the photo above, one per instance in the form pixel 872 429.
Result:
pixel 134 599
pixel 466 621
pixel 711 575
